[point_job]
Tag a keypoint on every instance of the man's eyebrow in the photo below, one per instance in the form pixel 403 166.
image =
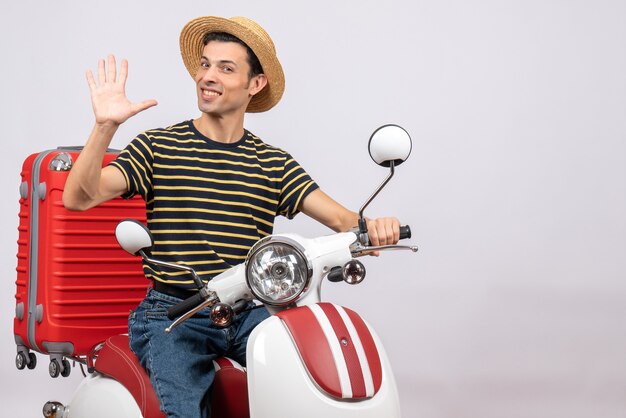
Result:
pixel 220 61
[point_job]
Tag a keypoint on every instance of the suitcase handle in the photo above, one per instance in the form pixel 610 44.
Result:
pixel 80 147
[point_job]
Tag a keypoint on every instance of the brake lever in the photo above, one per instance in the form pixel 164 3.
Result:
pixel 360 250
pixel 208 302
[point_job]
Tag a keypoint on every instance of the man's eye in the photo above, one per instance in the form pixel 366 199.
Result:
pixel 227 69
pixel 204 64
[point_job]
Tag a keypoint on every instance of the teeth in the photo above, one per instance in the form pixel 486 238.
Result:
pixel 210 93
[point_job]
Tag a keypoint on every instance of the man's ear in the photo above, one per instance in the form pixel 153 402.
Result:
pixel 257 83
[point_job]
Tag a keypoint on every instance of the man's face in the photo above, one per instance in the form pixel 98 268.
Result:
pixel 222 81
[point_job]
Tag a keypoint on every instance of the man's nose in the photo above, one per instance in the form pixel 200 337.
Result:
pixel 210 75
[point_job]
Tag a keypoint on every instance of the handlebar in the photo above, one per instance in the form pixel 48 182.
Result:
pixel 363 245
pixel 184 306
pixel 205 298
pixel 202 299
pixel 405 232
pixel 336 274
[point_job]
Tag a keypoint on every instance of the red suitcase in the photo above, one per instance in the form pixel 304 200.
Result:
pixel 75 285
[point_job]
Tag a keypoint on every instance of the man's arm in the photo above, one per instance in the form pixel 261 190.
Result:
pixel 88 184
pixel 321 207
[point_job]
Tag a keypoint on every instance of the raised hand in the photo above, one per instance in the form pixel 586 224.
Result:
pixel 108 95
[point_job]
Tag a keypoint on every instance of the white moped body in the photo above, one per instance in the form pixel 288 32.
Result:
pixel 284 363
pixel 101 396
pixel 281 386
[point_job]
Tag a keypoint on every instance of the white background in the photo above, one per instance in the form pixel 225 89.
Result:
pixel 515 305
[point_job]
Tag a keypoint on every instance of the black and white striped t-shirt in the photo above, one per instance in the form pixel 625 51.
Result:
pixel 208 202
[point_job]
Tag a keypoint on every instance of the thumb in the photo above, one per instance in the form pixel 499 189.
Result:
pixel 141 106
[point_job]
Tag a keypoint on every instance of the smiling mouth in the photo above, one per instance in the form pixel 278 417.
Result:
pixel 210 93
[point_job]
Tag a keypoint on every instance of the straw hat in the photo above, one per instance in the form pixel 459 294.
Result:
pixel 254 36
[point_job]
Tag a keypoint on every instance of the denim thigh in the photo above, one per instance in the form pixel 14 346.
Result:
pixel 180 364
pixel 240 331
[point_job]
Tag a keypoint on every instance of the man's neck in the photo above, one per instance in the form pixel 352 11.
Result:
pixel 220 128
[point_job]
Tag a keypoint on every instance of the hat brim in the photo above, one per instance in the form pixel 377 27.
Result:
pixel 191 48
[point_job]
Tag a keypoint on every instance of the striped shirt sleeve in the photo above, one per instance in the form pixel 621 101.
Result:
pixel 135 162
pixel 296 184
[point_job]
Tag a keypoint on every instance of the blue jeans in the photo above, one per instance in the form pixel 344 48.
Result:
pixel 180 364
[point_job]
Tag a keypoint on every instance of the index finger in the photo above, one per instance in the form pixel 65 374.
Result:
pixel 396 230
pixel 123 72
pixel 90 80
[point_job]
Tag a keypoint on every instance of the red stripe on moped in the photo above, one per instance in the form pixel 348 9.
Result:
pixel 320 330
pixel 369 346
pixel 350 356
pixel 313 348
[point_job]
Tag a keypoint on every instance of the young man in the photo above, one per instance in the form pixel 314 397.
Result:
pixel 212 189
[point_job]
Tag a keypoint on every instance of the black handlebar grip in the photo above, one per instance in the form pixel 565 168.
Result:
pixel 184 306
pixel 336 275
pixel 405 232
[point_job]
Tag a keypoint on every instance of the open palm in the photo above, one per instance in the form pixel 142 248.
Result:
pixel 108 94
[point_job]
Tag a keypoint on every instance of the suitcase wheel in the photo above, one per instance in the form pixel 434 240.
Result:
pixel 33 361
pixel 66 368
pixel 22 361
pixel 55 369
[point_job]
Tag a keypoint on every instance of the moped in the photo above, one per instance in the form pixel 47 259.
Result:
pixel 308 359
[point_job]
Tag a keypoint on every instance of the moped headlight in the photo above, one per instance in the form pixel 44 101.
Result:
pixel 277 270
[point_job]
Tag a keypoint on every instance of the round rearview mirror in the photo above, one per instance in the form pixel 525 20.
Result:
pixel 133 236
pixel 390 143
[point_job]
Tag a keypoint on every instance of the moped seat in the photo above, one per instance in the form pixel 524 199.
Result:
pixel 116 360
pixel 229 397
pixel 229 394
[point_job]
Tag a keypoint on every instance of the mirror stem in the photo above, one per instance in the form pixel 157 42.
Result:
pixel 196 278
pixel 362 223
